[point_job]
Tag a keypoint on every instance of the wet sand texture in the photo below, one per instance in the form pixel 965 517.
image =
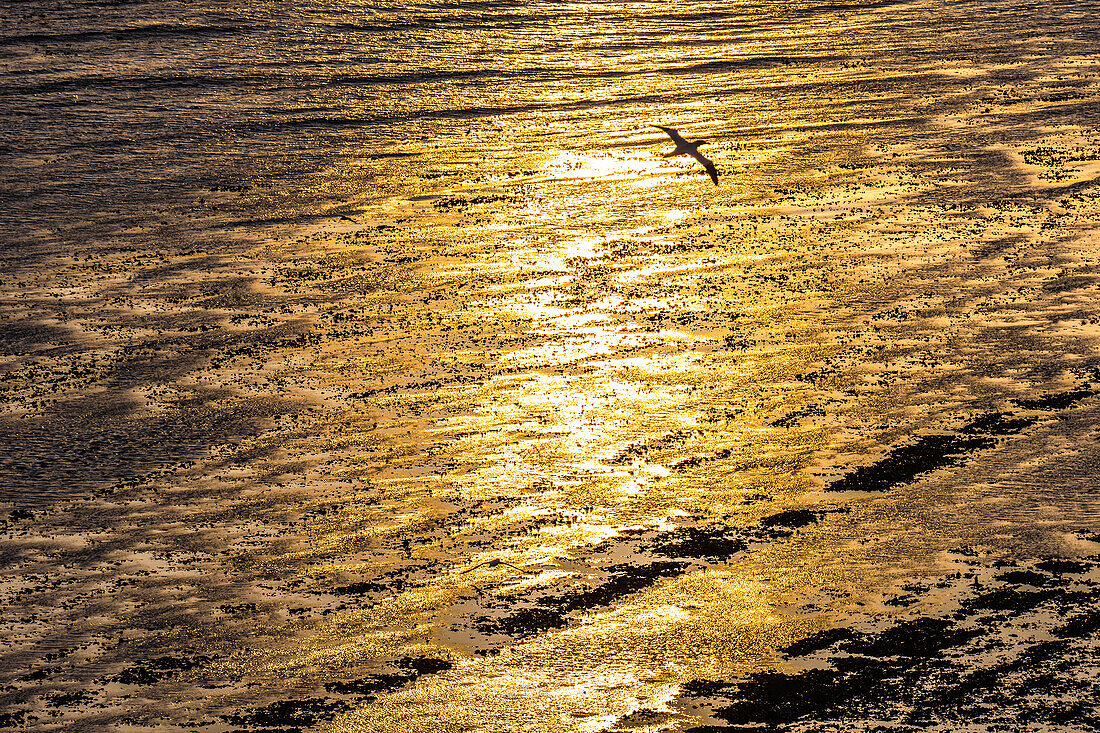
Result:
pixel 365 368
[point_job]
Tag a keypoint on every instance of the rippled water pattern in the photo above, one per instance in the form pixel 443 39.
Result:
pixel 365 367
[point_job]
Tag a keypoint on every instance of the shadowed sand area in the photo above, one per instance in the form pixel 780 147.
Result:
pixel 403 386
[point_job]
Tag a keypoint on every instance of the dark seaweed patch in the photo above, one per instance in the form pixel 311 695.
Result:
pixel 686 547
pixel 624 580
pixel 364 587
pixel 550 612
pixel 524 623
pixel 403 671
pixel 904 463
pixel 927 453
pixel 1059 566
pixel 1025 577
pixel 901 601
pixel 696 461
pixel 706 688
pixel 792 418
pixel 774 698
pixel 154 670
pixel 15 718
pixel 1080 625
pixel 816 642
pixel 710 542
pixel 424 665
pixel 856 687
pixel 239 608
pixel 920 637
pixel 65 699
pixel 792 519
pixel 997 423
pixel 1058 400
pixel 368 686
pixel 1007 599
pixel 641 450
pixel 1046 156
pixel 292 714
pixel 459 203
pixel 641 718
pixel 40 674
pixel 923 672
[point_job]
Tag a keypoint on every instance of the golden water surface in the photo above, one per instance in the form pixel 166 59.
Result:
pixel 477 350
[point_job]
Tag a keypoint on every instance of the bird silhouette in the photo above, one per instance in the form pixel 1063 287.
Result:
pixel 683 147
pixel 491 564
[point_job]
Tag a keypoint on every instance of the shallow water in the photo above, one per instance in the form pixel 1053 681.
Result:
pixel 365 367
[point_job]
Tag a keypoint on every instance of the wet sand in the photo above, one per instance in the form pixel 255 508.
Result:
pixel 815 450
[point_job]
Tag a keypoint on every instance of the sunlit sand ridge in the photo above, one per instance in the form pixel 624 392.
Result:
pixel 453 405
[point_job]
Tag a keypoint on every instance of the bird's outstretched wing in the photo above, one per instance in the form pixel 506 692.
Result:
pixel 491 564
pixel 676 137
pixel 709 165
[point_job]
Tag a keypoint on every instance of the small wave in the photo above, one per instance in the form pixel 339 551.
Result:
pixel 152 31
pixel 752 62
pixel 453 113
pixel 22 88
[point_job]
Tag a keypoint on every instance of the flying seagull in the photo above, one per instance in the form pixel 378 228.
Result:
pixel 491 564
pixel 683 147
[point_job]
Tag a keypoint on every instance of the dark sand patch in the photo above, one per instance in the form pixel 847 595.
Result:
pixel 967 667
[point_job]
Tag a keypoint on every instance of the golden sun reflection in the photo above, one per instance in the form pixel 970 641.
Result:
pixel 568 165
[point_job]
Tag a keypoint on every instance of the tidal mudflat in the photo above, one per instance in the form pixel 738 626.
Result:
pixel 417 392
